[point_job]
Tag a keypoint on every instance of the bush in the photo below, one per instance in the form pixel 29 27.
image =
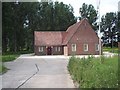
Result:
pixel 91 73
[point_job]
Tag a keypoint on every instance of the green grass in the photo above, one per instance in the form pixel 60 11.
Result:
pixel 94 73
pixel 10 56
pixel 109 49
pixel 7 58
pixel 3 69
pixel 17 53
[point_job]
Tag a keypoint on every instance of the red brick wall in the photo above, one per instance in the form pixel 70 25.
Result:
pixel 36 50
pixel 84 35
pixel 54 52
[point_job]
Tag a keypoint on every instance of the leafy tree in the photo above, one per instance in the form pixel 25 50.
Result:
pixel 21 19
pixel 109 28
pixel 118 26
pixel 6 24
pixel 89 12
pixel 58 16
pixel 14 18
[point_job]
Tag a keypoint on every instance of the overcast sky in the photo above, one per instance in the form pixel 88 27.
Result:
pixel 105 5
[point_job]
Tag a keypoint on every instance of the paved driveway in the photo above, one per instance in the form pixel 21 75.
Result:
pixel 37 72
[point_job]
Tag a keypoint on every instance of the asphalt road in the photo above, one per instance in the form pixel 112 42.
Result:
pixel 37 72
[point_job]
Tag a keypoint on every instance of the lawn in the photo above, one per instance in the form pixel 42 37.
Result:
pixel 3 69
pixel 10 56
pixel 6 58
pixel 93 72
pixel 109 49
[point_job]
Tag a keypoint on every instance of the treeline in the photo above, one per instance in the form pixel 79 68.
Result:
pixel 21 19
pixel 109 25
pixel 110 29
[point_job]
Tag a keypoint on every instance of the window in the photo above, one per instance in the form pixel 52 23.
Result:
pixel 97 47
pixel 85 47
pixel 40 49
pixel 57 49
pixel 73 47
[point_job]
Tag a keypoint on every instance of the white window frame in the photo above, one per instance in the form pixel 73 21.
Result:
pixel 96 47
pixel 85 47
pixel 40 49
pixel 57 49
pixel 74 47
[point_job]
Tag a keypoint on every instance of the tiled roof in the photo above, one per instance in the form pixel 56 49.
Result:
pixel 71 30
pixel 56 38
pixel 48 38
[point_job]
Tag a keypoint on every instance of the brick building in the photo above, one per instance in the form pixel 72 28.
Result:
pixel 79 39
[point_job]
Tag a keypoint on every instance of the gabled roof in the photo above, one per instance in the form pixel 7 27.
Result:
pixel 71 30
pixel 48 38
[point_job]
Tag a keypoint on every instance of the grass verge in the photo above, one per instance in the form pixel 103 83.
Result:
pixel 3 69
pixel 93 72
pixel 109 49
pixel 6 58
pixel 10 56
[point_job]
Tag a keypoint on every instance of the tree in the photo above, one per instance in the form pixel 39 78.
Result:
pixel 14 18
pixel 109 28
pixel 63 16
pixel 118 26
pixel 89 12
pixel 21 19
pixel 58 16
pixel 6 24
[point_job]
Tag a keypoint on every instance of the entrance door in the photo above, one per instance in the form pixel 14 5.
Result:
pixel 49 51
